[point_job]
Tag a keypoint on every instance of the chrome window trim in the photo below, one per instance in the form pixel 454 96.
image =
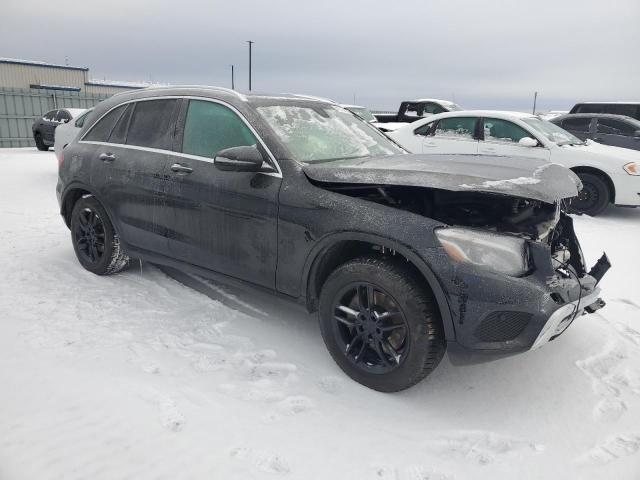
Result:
pixel 277 173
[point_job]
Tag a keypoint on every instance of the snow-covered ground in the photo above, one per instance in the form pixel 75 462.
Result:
pixel 138 376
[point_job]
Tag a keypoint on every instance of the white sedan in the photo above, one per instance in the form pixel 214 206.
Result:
pixel 66 132
pixel 609 174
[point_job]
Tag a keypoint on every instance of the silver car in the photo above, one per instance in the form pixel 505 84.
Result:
pixel 614 130
pixel 66 132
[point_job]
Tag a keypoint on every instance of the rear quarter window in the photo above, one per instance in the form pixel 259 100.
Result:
pixel 101 131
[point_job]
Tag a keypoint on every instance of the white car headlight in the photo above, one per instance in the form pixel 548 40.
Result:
pixel 500 253
pixel 632 168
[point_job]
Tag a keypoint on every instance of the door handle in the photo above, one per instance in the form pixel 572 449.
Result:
pixel 107 157
pixel 178 168
pixel 429 144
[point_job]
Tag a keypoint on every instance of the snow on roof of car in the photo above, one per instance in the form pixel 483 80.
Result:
pixel 432 100
pixel 75 112
pixel 615 101
pixel 484 113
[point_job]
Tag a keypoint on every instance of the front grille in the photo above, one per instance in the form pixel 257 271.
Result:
pixel 502 326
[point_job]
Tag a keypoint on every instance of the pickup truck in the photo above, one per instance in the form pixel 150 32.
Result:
pixel 412 110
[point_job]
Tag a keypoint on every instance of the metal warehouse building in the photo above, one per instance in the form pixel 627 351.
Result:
pixel 29 89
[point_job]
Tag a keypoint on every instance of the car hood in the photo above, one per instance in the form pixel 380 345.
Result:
pixel 521 177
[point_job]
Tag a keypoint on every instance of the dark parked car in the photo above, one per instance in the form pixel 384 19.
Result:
pixel 402 255
pixel 614 130
pixel 44 127
pixel 629 109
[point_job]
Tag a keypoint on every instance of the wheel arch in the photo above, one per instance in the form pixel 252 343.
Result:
pixel 600 173
pixel 336 249
pixel 72 194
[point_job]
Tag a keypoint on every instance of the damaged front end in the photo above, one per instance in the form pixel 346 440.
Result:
pixel 511 267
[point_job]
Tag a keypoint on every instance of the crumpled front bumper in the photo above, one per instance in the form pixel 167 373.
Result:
pixel 560 320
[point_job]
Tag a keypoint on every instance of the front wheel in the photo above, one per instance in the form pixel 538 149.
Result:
pixel 380 324
pixel 95 242
pixel 594 196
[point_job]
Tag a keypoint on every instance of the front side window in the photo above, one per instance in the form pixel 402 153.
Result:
pixel 101 131
pixel 323 132
pixel 211 127
pixel 152 124
pixel 456 127
pixel 577 124
pixel 63 116
pixel 498 130
pixel 50 116
pixel 609 126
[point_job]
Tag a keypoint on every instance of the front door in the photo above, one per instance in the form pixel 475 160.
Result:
pixel 501 137
pixel 223 221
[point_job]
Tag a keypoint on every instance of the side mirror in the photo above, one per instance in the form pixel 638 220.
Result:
pixel 528 142
pixel 239 159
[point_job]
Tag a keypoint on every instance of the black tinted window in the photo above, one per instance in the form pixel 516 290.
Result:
pixel 610 126
pixel 119 132
pixel 50 115
pixel 152 124
pixel 589 108
pixel 425 129
pixel 577 124
pixel 100 131
pixel 80 120
pixel 63 116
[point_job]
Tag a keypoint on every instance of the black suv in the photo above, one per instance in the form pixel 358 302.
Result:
pixel 402 255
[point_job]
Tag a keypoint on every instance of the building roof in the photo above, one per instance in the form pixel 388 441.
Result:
pixel 119 83
pixel 35 63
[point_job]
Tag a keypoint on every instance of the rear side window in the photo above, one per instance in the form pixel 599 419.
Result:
pixel 211 127
pixel 119 132
pixel 152 124
pixel 577 124
pixel 102 129
pixel 609 126
pixel 588 108
pixel 456 127
pixel 498 130
pixel 426 129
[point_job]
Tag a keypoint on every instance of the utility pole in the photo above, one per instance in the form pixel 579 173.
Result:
pixel 250 42
pixel 535 98
pixel 233 86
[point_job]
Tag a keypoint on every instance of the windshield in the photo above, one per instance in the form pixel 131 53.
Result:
pixel 552 132
pixel 325 132
pixel 363 113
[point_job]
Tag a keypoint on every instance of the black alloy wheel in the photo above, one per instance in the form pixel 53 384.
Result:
pixel 370 327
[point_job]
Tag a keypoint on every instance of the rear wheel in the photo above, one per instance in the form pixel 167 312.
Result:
pixel 95 242
pixel 40 143
pixel 380 324
pixel 594 196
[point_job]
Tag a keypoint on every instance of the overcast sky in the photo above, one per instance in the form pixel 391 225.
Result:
pixel 480 53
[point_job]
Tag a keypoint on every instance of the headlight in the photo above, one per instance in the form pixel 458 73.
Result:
pixel 501 253
pixel 632 168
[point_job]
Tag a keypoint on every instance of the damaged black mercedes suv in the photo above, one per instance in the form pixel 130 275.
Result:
pixel 402 255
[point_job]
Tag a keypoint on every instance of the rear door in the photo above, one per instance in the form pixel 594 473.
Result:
pixel 617 133
pixel 131 167
pixel 501 137
pixel 451 135
pixel 223 221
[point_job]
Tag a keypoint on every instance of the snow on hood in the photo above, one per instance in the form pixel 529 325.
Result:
pixel 530 178
pixel 611 153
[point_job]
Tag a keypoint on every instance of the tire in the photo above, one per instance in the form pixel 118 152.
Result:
pixel 594 196
pixel 411 339
pixel 40 143
pixel 94 240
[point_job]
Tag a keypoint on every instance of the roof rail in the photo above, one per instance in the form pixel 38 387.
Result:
pixel 312 97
